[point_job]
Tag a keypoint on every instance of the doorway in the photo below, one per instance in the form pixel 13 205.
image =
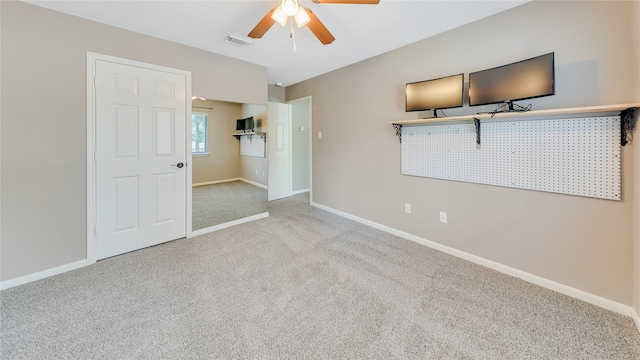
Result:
pixel 301 140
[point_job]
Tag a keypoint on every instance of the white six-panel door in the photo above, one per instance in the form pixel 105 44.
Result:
pixel 279 150
pixel 140 146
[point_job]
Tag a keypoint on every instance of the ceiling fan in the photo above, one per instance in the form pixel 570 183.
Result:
pixel 302 16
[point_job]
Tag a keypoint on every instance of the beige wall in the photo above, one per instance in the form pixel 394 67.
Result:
pixel 254 168
pixel 636 156
pixel 44 123
pixel 581 242
pixel 277 93
pixel 223 160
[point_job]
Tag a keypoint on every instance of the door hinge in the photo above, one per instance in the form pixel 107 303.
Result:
pixel 95 157
pixel 94 82
pixel 95 230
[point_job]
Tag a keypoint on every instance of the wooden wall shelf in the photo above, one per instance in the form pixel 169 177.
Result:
pixel 517 115
pixel 520 115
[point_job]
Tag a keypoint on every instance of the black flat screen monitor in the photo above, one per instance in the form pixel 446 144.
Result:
pixel 521 80
pixel 244 124
pixel 441 93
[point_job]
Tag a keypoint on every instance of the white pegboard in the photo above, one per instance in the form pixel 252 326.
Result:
pixel 568 156
pixel 252 145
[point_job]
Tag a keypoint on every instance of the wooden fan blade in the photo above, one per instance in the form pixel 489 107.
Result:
pixel 263 26
pixel 372 2
pixel 318 29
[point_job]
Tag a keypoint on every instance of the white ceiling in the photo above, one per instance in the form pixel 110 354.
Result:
pixel 361 31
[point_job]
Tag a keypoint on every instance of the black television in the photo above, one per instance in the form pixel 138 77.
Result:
pixel 526 79
pixel 245 124
pixel 441 93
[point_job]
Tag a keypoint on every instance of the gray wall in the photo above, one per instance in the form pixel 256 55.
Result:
pixel 223 160
pixel 580 242
pixel 300 144
pixel 44 123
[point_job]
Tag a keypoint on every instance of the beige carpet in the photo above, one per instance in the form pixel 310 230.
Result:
pixel 301 284
pixel 220 203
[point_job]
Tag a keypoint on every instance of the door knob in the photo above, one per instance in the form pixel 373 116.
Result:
pixel 178 165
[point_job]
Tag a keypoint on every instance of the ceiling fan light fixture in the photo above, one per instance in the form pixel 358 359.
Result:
pixel 289 7
pixel 279 16
pixel 302 18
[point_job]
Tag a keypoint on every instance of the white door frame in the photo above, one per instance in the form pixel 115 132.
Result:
pixel 310 98
pixel 91 142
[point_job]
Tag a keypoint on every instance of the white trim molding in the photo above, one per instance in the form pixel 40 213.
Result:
pixel 42 274
pixel 254 183
pixel 215 182
pixel 229 224
pixel 230 180
pixel 534 279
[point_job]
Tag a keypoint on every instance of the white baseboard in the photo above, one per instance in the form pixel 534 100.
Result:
pixel 42 274
pixel 230 180
pixel 214 182
pixel 636 318
pixel 82 263
pixel 300 191
pixel 254 183
pixel 534 279
pixel 229 224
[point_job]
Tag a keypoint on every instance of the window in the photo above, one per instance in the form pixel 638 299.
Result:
pixel 199 133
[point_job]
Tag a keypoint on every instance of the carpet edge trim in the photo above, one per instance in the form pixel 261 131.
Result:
pixel 534 279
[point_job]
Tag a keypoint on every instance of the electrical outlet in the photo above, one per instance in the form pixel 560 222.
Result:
pixel 443 217
pixel 262 173
pixel 319 134
pixel 256 171
pixel 407 208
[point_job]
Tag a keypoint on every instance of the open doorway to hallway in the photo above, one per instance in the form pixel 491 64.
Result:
pixel 301 145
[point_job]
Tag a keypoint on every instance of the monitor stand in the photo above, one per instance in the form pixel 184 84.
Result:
pixel 435 114
pixel 510 108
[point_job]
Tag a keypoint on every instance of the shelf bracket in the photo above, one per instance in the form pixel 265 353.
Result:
pixel 476 123
pixel 262 136
pixel 628 121
pixel 398 128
